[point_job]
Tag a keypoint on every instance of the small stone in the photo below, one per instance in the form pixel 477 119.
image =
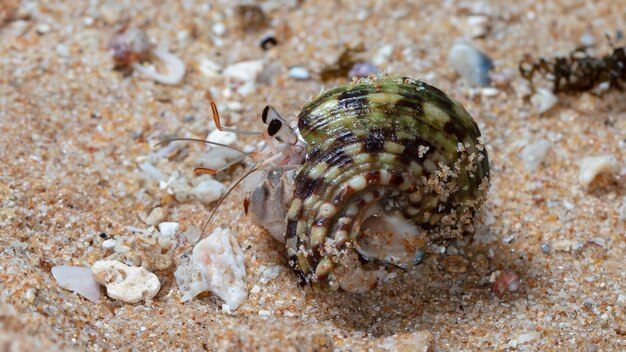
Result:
pixel 43 28
pixel 299 72
pixel 419 341
pixel 168 229
pixel 216 265
pixel 157 215
pixel 593 166
pixel 562 245
pixel 113 11
pixel 472 64
pixel 545 248
pixel 534 154
pixel 455 264
pixel 489 92
pixel 208 191
pixel 256 289
pixel 246 71
pixel 362 70
pixel 587 39
pixel 109 244
pixel 543 100
pixel 478 26
pixel 507 281
pixel 78 280
pixel 221 137
pixel 125 283
pixel 218 29
pixel 269 274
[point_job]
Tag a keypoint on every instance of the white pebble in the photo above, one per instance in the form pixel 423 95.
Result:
pixel 592 166
pixel 219 29
pixel 244 71
pixel 534 154
pixel 77 279
pixel 477 26
pixel 524 338
pixel 489 92
pixel 218 136
pixel 192 234
pixel 299 72
pixel 157 215
pixel 126 283
pixel 256 289
pixel 472 64
pixel 43 28
pixel 543 100
pixel 208 191
pixel 587 39
pixel 269 274
pixel 216 265
pixel 109 244
pixel 168 229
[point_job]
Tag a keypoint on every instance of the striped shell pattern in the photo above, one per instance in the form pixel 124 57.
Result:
pixel 395 144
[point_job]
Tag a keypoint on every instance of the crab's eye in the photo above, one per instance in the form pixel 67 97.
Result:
pixel 274 127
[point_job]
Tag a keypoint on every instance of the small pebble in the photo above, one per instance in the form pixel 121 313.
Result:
pixel 587 39
pixel 299 72
pixel 362 70
pixel 593 166
pixel 534 154
pixel 472 64
pixel 221 137
pixel 192 234
pixel 109 244
pixel 125 283
pixel 507 281
pixel 455 264
pixel 545 248
pixel 168 229
pixel 543 100
pixel 478 26
pixel 157 215
pixel 43 28
pixel 218 29
pixel 562 245
pixel 246 71
pixel 208 191
pixel 77 279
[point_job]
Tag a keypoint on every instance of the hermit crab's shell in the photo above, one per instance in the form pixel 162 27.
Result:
pixel 393 168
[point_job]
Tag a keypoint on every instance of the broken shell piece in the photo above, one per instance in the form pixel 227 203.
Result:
pixel 77 279
pixel 126 283
pixel 216 265
pixel 130 47
pixel 593 166
pixel 175 68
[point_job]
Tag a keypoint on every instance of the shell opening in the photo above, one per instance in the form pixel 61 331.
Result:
pixel 386 235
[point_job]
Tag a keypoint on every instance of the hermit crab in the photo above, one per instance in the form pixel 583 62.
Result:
pixel 375 173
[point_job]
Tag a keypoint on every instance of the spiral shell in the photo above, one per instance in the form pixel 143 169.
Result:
pixel 386 147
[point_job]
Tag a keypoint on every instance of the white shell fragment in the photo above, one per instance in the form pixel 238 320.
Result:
pixel 168 229
pixel 592 166
pixel 244 71
pixel 77 279
pixel 218 136
pixel 175 68
pixel 543 100
pixel 216 265
pixel 534 154
pixel 126 283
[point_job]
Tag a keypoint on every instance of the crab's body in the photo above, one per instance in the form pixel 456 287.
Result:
pixel 393 167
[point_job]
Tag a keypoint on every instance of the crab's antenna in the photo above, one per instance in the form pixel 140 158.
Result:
pixel 204 170
pixel 218 124
pixel 167 141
